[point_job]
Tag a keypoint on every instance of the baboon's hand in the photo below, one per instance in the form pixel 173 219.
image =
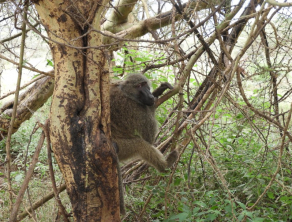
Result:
pixel 172 157
pixel 163 86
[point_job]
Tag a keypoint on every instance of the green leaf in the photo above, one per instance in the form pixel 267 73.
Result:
pixel 180 217
pixel 129 63
pixel 139 59
pixel 258 219
pixel 228 208
pixel 241 205
pixel 177 181
pixel 35 76
pixel 271 195
pixel 50 63
pixel 239 116
pixel 116 69
pixel 196 210
pixel 200 203
pixel 241 216
pixel 211 217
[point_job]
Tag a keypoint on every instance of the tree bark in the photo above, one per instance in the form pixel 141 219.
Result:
pixel 79 118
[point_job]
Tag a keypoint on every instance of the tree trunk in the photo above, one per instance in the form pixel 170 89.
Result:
pixel 79 118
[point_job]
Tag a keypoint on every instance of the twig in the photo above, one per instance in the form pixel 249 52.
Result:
pixel 149 197
pixel 29 174
pixel 41 202
pixel 26 67
pixel 260 113
pixel 25 171
pixel 171 177
pixel 278 164
pixel 25 85
pixel 135 181
pixel 17 35
pixel 10 130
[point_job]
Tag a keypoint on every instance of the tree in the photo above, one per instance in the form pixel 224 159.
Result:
pixel 83 35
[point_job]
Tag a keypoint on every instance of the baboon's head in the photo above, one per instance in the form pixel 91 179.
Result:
pixel 137 87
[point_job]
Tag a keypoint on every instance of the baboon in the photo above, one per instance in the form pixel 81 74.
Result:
pixel 133 124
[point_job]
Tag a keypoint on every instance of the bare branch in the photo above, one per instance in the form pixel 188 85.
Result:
pixel 27 178
pixel 281 4
pixel 40 202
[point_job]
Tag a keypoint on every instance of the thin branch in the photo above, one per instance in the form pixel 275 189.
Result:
pixel 36 127
pixel 278 164
pixel 17 35
pixel 40 202
pixel 27 67
pixel 13 214
pixel 24 86
pixel 262 114
pixel 10 130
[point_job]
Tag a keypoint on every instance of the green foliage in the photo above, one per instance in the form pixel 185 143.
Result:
pixel 247 164
pixel 131 60
pixel 22 147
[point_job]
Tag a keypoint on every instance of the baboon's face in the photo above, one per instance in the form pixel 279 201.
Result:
pixel 137 88
pixel 144 95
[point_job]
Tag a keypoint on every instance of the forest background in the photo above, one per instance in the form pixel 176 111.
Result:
pixel 228 114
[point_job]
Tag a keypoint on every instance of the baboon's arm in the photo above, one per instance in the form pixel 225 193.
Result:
pixel 163 86
pixel 138 147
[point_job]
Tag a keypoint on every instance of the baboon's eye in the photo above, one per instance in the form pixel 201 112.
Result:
pixel 140 85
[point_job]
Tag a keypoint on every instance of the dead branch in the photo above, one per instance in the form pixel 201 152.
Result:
pixel 40 202
pixel 13 214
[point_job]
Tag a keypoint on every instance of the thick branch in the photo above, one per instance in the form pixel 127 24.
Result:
pixel 133 30
pixel 119 14
pixel 275 3
pixel 29 101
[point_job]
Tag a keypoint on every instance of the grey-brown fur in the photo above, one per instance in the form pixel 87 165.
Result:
pixel 134 126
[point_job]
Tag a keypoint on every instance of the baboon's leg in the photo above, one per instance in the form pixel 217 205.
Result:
pixel 153 156
pixel 138 147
